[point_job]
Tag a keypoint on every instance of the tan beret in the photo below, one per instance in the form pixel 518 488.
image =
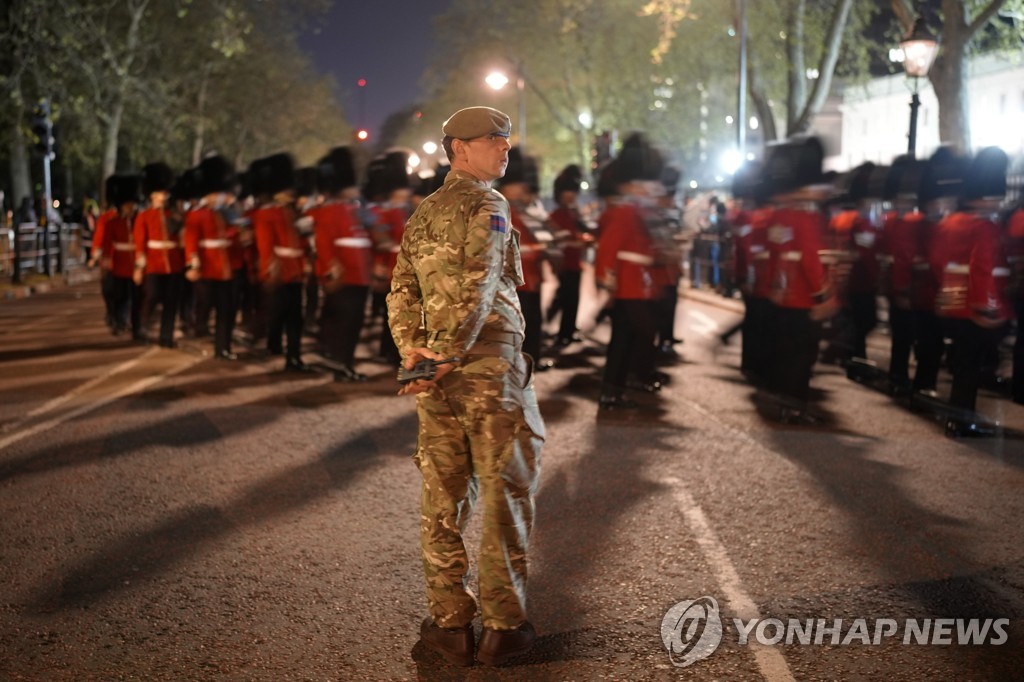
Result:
pixel 465 124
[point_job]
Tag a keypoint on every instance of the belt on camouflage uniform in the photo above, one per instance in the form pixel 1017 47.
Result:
pixel 488 342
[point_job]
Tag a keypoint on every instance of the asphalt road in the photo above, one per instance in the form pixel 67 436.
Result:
pixel 167 517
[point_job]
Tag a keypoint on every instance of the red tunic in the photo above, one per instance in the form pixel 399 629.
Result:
pixel 156 250
pixel 116 250
pixel 531 253
pixel 392 226
pixel 569 236
pixel 282 249
pixel 794 242
pixel 968 262
pixel 625 251
pixel 342 242
pixel 206 243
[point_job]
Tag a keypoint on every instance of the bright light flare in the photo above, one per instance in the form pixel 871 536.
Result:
pixel 429 147
pixel 496 80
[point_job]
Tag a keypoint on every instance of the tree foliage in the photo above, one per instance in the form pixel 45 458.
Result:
pixel 133 81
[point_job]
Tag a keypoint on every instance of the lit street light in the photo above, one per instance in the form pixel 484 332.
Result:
pixel 497 80
pixel 919 50
pixel 429 147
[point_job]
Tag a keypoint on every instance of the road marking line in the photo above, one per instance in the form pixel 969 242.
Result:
pixel 703 324
pixel 138 386
pixel 771 662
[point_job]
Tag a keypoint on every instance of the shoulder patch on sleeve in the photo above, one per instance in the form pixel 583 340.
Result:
pixel 498 224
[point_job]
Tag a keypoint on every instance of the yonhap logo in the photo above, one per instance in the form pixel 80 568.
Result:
pixel 691 631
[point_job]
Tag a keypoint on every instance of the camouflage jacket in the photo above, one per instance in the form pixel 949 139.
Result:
pixel 457 271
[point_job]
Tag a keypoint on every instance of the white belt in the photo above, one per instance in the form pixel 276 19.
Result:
pixel 214 243
pixel 124 246
pixel 762 255
pixel 397 248
pixel 955 269
pixel 793 256
pixel 562 234
pixel 1000 272
pixel 531 247
pixel 759 248
pixel 634 257
pixel 353 242
pixel 288 252
pixel 159 244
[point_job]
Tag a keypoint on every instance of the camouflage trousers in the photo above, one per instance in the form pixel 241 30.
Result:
pixel 480 433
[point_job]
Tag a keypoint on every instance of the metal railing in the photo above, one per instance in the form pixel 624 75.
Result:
pixel 48 250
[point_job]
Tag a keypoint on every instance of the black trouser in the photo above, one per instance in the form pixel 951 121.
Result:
pixel 187 307
pixel 928 349
pixel 966 358
pixel 902 328
pixel 286 319
pixel 667 312
pixel 632 344
pixel 341 321
pixel 529 302
pixel 863 309
pixel 163 291
pixel 220 296
pixel 1018 352
pixel 795 345
pixel 756 353
pixel 567 301
pixel 126 303
pixel 245 300
pixel 312 300
pixel 107 291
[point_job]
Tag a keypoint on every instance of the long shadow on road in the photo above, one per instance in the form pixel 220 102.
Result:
pixel 158 549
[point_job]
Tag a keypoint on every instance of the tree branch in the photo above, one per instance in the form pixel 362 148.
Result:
pixel 983 18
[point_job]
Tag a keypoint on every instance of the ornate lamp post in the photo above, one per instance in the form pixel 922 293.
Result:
pixel 919 49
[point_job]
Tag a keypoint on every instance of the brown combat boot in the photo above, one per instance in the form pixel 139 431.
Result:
pixel 454 644
pixel 500 646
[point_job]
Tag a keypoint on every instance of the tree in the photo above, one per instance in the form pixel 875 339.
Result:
pixel 962 20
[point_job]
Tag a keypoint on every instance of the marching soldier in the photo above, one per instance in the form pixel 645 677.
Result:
pixel 624 266
pixel 801 293
pixel 750 225
pixel 344 255
pixel 571 235
pixel 515 187
pixel 207 243
pixel 968 261
pixel 388 183
pixel 453 298
pixel 669 266
pixel 159 258
pixel 114 250
pixel 283 255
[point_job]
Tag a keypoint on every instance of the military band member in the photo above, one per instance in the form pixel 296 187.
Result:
pixel 159 257
pixel 283 252
pixel 114 250
pixel 453 297
pixel 207 243
pixel 344 255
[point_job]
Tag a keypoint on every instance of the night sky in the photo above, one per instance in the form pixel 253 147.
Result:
pixel 386 42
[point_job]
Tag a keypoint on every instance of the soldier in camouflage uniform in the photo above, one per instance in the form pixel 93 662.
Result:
pixel 453 295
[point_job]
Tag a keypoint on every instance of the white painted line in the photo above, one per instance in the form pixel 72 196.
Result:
pixel 702 324
pixel 769 660
pixel 139 385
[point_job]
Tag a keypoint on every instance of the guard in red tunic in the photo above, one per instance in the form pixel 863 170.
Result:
pixel 515 186
pixel 801 293
pixel 344 255
pixel 749 224
pixel 159 257
pixel 969 263
pixel 1015 261
pixel 114 250
pixel 624 266
pixel 284 256
pixel 390 193
pixel 207 243
pixel 571 236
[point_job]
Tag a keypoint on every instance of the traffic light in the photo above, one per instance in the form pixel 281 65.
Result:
pixel 363 135
pixel 42 128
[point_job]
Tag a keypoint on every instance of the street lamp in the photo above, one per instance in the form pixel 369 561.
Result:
pixel 496 80
pixel 919 50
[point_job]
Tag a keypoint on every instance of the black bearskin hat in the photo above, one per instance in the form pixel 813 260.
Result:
pixel 157 177
pixel 336 171
pixel 943 176
pixel 272 174
pixel 186 187
pixel 516 170
pixel 986 178
pixel 793 164
pixel 747 182
pixel 568 180
pixel 305 181
pixel 122 189
pixel 638 160
pixel 216 174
